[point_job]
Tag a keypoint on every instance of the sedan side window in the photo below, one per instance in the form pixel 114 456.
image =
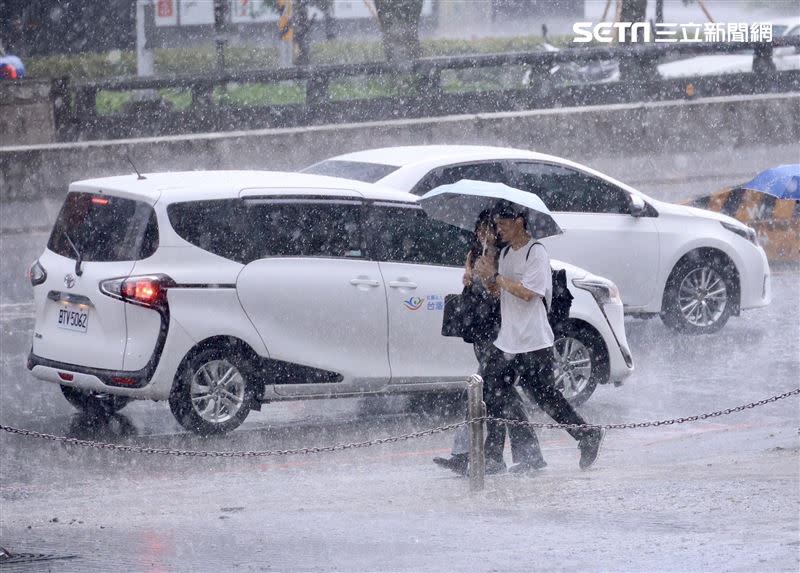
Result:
pixel 494 172
pixel 568 190
pixel 407 235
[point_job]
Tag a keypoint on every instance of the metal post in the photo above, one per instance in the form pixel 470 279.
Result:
pixel 476 408
pixel 220 30
pixel 144 41
pixel 220 44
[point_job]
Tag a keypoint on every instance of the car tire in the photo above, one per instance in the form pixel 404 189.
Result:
pixel 580 362
pixel 700 295
pixel 213 391
pixel 92 402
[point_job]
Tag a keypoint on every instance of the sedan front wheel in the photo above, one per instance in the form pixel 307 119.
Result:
pixel 699 296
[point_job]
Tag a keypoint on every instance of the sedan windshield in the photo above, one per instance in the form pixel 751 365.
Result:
pixel 366 172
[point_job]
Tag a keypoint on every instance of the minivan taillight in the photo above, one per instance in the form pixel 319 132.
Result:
pixel 146 290
pixel 36 274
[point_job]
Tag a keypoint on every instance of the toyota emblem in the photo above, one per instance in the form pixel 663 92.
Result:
pixel 69 281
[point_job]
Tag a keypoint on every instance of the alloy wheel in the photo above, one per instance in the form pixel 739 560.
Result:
pixel 572 366
pixel 217 391
pixel 702 297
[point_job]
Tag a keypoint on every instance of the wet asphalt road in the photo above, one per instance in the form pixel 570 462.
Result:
pixel 730 484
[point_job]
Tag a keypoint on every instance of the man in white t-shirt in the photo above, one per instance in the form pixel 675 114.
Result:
pixel 524 348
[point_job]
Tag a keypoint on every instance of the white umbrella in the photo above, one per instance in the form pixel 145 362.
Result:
pixel 459 204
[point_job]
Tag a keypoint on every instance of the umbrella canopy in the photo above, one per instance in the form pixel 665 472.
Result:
pixel 461 203
pixel 783 182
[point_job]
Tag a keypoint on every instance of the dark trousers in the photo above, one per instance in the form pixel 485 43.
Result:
pixel 483 349
pixel 535 372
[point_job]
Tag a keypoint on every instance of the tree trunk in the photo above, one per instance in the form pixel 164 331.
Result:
pixel 302 27
pixel 633 11
pixel 399 22
pixel 634 72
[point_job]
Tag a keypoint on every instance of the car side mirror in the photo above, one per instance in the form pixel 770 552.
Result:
pixel 638 206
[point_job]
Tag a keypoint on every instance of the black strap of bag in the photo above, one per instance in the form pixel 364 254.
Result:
pixel 528 254
pixel 561 300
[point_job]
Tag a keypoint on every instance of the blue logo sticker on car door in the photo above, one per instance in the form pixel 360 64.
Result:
pixel 431 302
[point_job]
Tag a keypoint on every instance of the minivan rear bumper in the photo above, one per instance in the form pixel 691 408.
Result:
pixel 86 382
pixel 66 374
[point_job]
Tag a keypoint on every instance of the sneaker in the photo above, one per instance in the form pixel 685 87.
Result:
pixel 589 447
pixel 457 463
pixel 494 467
pixel 527 467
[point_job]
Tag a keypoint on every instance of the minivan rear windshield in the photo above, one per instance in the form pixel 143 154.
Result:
pixel 357 170
pixel 104 228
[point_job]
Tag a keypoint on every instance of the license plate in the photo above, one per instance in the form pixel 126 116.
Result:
pixel 73 317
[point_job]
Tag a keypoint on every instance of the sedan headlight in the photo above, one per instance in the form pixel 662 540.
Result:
pixel 603 290
pixel 743 231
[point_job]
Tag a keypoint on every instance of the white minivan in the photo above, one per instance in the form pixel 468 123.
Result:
pixel 220 291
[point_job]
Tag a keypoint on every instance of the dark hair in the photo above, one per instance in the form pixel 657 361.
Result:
pixel 484 217
pixel 508 210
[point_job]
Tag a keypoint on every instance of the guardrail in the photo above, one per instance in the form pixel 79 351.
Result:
pixel 437 86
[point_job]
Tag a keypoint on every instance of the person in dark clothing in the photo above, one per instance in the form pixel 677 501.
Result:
pixel 482 333
pixel 524 347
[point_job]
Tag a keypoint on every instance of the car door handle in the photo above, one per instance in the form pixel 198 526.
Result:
pixel 365 282
pixel 402 284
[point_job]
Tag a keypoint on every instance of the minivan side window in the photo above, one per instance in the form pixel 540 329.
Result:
pixel 252 229
pixel 104 228
pixel 493 172
pixel 406 235
pixel 568 190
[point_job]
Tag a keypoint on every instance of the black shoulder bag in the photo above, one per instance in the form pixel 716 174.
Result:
pixel 456 309
pixel 473 315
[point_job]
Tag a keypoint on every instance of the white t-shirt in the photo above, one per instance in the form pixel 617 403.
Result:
pixel 524 326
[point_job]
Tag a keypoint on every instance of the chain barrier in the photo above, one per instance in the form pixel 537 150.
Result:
pixel 380 441
pixel 655 423
pixel 234 454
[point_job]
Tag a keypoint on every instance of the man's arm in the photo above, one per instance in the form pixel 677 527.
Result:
pixel 484 269
pixel 515 288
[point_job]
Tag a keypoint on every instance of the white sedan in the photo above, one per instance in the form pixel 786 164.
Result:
pixel 694 268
